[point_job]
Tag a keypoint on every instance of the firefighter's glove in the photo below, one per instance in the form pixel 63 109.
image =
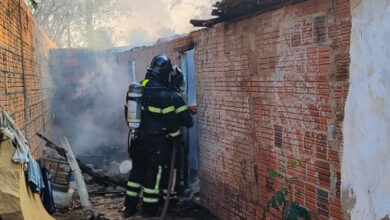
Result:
pixel 192 108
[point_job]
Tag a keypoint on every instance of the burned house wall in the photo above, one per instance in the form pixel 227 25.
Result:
pixel 271 88
pixel 25 84
pixel 142 56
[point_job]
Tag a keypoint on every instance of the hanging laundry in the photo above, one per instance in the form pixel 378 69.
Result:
pixel 35 180
pixel 8 128
pixel 48 199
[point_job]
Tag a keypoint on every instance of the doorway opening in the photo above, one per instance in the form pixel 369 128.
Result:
pixel 190 152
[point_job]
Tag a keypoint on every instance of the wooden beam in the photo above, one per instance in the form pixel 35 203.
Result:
pixel 229 10
pixel 81 186
pixel 206 23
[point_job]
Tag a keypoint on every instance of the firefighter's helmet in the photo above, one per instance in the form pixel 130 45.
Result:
pixel 161 67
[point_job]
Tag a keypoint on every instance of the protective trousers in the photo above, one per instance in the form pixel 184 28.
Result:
pixel 148 155
pixel 166 169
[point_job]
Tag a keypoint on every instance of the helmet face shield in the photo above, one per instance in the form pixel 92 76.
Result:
pixel 161 66
pixel 172 76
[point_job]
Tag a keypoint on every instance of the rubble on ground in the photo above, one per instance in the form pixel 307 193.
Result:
pixel 107 204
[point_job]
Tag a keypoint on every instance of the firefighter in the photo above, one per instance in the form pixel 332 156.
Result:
pixel 176 83
pixel 163 112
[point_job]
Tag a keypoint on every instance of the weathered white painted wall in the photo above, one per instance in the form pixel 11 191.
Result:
pixel 366 156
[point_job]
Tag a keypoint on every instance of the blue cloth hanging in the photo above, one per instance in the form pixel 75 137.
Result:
pixel 35 180
pixel 48 199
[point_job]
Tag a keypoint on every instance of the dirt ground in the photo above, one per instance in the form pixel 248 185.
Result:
pixel 108 207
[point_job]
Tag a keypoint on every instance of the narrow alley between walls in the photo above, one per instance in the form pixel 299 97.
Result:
pixel 182 109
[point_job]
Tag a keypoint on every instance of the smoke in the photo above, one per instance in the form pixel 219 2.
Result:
pixel 88 103
pixel 89 96
pixel 154 19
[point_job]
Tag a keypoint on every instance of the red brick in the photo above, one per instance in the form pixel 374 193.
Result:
pixel 30 74
pixel 284 80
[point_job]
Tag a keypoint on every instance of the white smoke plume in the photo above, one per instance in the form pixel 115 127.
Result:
pixel 154 19
pixel 88 103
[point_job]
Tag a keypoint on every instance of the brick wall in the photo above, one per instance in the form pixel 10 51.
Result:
pixel 24 80
pixel 143 55
pixel 270 88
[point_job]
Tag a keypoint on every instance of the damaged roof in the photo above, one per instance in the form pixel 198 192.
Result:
pixel 226 10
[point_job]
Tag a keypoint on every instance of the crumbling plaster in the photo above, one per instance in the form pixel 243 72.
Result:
pixel 366 163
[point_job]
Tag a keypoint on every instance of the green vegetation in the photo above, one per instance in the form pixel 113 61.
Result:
pixel 283 198
pixel 34 4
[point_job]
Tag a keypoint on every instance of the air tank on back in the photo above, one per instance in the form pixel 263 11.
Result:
pixel 134 96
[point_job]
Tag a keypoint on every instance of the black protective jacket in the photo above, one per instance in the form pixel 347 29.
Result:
pixel 163 110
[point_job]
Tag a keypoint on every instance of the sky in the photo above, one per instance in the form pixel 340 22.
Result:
pixel 150 20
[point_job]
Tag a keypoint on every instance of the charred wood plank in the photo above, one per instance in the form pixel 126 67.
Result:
pixel 206 23
pixel 228 10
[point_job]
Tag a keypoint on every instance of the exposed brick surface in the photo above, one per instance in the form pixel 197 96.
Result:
pixel 270 88
pixel 143 55
pixel 322 202
pixel 25 82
